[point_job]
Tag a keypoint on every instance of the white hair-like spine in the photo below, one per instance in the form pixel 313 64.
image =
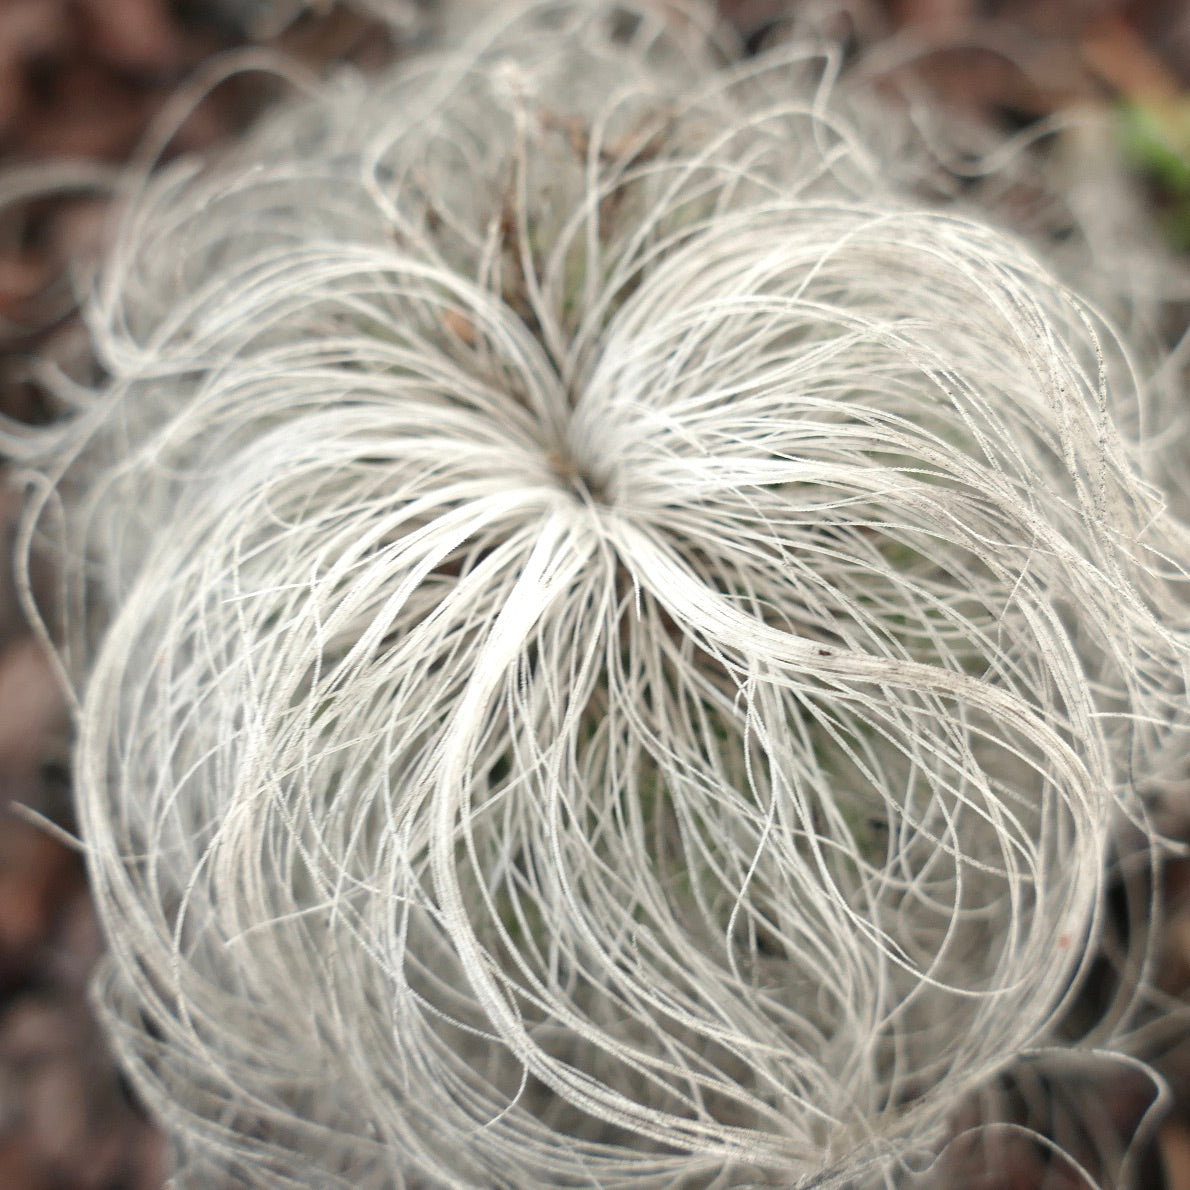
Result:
pixel 622 639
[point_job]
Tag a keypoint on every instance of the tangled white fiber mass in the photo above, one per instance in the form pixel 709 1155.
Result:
pixel 616 641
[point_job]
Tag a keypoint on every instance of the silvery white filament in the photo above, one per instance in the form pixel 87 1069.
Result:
pixel 615 643
pixel 1061 184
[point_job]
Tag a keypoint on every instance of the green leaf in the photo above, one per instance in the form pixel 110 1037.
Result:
pixel 1156 139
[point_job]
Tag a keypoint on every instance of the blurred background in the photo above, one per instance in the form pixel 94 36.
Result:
pixel 82 79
